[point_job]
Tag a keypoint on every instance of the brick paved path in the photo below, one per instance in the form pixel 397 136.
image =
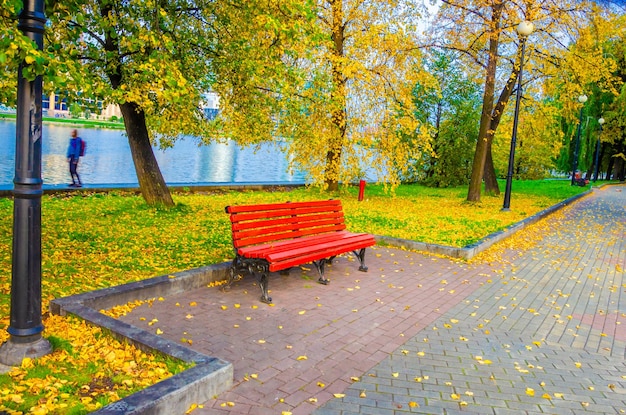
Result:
pixel 540 333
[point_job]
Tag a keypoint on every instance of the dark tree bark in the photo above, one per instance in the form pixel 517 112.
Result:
pixel 338 97
pixel 151 182
pixel 609 169
pixel 482 145
pixel 491 181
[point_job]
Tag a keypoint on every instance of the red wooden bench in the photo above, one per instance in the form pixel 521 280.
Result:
pixel 276 237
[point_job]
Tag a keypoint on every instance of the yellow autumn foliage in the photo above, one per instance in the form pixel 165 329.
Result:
pixel 87 365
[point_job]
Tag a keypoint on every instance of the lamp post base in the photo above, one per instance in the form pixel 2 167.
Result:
pixel 12 353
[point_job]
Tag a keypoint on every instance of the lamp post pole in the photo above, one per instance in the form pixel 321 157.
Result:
pixel 597 161
pixel 582 99
pixel 25 328
pixel 524 29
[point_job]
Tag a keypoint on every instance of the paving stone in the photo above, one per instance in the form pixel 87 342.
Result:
pixel 546 320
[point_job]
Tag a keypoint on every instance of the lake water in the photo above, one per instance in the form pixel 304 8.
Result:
pixel 108 161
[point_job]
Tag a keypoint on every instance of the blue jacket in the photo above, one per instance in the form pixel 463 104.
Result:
pixel 73 151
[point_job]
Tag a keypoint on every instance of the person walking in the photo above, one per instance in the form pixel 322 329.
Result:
pixel 73 155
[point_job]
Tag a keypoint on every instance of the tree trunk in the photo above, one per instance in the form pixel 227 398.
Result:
pixel 489 173
pixel 600 157
pixel 338 98
pixel 491 181
pixel 151 182
pixel 609 169
pixel 482 145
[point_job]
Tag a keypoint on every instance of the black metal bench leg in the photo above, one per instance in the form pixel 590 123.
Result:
pixel 320 269
pixel 361 255
pixel 263 283
pixel 232 276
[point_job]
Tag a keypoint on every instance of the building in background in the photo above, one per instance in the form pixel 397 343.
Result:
pixel 211 105
pixel 56 106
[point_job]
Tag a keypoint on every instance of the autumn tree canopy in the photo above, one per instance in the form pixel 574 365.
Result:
pixel 334 82
pixel 154 60
pixel 485 33
pixel 345 100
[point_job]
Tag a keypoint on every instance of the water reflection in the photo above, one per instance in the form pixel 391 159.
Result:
pixel 108 160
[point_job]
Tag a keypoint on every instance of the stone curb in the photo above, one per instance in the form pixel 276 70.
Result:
pixel 7 191
pixel 204 381
pixel 467 252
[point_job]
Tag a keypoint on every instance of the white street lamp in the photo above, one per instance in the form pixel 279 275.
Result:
pixel 524 29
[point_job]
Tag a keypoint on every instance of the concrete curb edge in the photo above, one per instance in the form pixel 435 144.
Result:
pixel 204 381
pixel 467 252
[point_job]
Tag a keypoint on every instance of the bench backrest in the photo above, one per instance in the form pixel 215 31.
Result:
pixel 266 223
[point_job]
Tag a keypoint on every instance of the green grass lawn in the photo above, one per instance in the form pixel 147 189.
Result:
pixel 75 121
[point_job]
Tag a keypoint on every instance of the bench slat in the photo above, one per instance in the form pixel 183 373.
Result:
pixel 315 256
pixel 288 232
pixel 239 243
pixel 292 212
pixel 279 206
pixel 259 251
pixel 301 252
pixel 337 216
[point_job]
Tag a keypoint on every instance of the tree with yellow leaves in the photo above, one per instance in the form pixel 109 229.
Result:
pixel 485 32
pixel 374 64
pixel 346 102
pixel 593 64
pixel 154 59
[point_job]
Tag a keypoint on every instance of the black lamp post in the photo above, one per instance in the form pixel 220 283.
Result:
pixel 582 99
pixel 524 29
pixel 597 161
pixel 25 328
